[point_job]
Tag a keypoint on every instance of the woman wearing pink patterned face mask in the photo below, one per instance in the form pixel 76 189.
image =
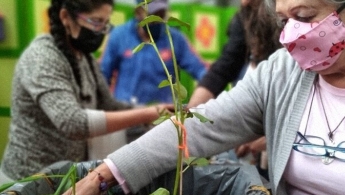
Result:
pixel 296 99
pixel 315 45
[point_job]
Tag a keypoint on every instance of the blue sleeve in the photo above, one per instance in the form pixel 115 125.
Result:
pixel 186 56
pixel 109 58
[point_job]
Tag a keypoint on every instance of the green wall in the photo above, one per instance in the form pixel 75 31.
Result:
pixel 26 18
pixel 17 33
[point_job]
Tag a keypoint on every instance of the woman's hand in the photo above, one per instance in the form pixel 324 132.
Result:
pixel 165 108
pixel 90 185
pixel 253 147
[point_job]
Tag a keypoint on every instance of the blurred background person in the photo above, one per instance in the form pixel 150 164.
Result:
pixel 137 75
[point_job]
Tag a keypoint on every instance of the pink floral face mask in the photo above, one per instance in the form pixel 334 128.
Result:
pixel 315 46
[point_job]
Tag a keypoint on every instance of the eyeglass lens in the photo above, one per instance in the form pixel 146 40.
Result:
pixel 98 27
pixel 316 146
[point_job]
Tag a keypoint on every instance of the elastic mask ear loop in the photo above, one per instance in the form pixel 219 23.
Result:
pixel 340 8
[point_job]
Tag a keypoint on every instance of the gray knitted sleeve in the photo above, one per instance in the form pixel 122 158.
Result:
pixel 47 77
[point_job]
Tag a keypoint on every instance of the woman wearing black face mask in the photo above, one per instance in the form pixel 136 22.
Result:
pixel 59 96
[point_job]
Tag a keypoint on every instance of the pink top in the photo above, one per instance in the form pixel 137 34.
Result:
pixel 308 174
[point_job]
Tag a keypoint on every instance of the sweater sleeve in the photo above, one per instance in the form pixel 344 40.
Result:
pixel 228 66
pixel 47 78
pixel 237 116
pixel 263 102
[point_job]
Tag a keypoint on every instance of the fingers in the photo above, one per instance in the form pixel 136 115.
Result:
pixel 254 147
pixel 169 107
pixel 242 150
pixel 165 109
pixel 258 145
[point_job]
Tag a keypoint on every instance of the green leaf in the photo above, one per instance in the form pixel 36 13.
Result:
pixel 182 93
pixel 139 47
pixel 5 186
pixel 189 160
pixel 71 174
pixel 150 19
pixel 164 83
pixel 28 179
pixel 196 161
pixel 172 20
pixel 161 119
pixel 161 191
pixel 188 115
pixel 68 180
pixel 202 118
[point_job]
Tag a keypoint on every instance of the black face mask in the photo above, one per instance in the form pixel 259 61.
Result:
pixel 87 41
pixel 155 29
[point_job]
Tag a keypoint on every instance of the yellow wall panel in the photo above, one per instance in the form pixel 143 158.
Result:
pixel 4 125
pixel 41 18
pixel 6 74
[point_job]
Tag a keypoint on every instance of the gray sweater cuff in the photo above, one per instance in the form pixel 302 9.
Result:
pixel 96 122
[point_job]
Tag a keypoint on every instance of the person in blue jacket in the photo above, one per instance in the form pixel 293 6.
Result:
pixel 139 74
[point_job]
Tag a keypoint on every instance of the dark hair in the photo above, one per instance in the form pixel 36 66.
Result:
pixel 261 30
pixel 58 31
